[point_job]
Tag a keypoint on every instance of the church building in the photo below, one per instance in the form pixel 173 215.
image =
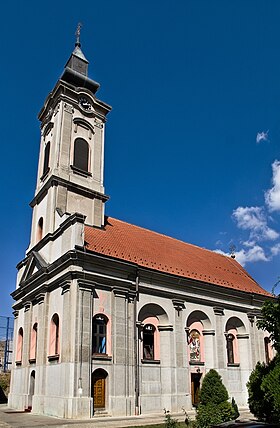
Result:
pixel 111 318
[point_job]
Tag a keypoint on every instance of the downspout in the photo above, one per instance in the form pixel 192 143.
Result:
pixel 136 345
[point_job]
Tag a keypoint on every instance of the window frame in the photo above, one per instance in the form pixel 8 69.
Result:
pixel 54 338
pixel 19 351
pixel 79 153
pixel 150 332
pixel 98 336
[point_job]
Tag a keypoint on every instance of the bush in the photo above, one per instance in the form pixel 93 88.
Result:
pixel 4 386
pixel 214 407
pixel 213 389
pixel 235 408
pixel 260 403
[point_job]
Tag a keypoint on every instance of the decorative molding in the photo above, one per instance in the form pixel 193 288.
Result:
pixel 56 110
pixel 168 327
pixel 242 336
pixel 68 108
pixel 15 313
pixel 27 306
pixel 150 361
pixel 218 310
pixel 208 332
pixel 196 363
pixel 85 285
pixel 40 298
pixel 251 317
pixel 101 357
pixel 179 305
pixel 47 129
pixel 78 121
pixel 65 287
pixel 120 293
pixel 98 123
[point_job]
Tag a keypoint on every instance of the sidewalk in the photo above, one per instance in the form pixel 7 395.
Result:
pixel 17 419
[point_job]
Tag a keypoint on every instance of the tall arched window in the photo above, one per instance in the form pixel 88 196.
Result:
pixel 81 154
pixel 33 342
pixel 230 348
pixel 40 229
pixel 194 345
pixel 19 346
pixel 148 342
pixel 99 334
pixel 267 350
pixel 46 158
pixel 54 336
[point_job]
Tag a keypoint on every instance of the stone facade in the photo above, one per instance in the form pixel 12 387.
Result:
pixel 95 334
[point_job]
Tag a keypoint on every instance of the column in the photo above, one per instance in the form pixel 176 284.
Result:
pixel 120 352
pixel 253 338
pixel 26 348
pixel 181 386
pixel 220 339
pixel 208 337
pixel 243 346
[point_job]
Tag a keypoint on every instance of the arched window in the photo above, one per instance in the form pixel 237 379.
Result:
pixel 33 342
pixel 99 334
pixel 19 346
pixel 148 342
pixel 40 229
pixel 194 345
pixel 46 158
pixel 81 154
pixel 267 350
pixel 54 336
pixel 230 348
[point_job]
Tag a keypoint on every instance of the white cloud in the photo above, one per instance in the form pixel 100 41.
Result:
pixel 262 136
pixel 254 220
pixel 275 250
pixel 254 254
pixel 272 196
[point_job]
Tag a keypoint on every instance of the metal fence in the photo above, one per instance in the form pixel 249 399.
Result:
pixel 6 342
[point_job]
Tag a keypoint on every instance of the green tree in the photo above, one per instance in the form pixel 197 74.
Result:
pixel 214 407
pixel 270 321
pixel 264 382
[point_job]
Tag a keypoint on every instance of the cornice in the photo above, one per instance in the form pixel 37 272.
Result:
pixel 54 180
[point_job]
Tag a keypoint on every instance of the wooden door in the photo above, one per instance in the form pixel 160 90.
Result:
pixel 99 393
pixel 195 387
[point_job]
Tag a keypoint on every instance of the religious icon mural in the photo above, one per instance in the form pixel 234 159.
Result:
pixel 194 344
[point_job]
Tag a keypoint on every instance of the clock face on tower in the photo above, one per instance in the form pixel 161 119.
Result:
pixel 85 103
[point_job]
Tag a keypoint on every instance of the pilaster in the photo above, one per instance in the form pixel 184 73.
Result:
pixel 220 342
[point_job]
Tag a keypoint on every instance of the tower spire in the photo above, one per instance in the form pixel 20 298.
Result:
pixel 77 34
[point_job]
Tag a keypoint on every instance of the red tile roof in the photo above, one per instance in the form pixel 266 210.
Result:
pixel 165 254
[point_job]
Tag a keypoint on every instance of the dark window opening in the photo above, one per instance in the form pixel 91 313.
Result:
pixel 266 349
pixel 40 229
pixel 99 333
pixel 81 155
pixel 148 342
pixel 230 350
pixel 46 159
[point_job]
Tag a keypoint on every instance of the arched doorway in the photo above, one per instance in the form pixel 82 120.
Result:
pixel 31 389
pixel 98 389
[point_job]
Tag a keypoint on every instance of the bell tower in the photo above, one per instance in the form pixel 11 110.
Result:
pixel 71 159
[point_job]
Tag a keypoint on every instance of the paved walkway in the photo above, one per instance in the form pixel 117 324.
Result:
pixel 10 418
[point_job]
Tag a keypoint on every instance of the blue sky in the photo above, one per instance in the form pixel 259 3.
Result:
pixel 193 140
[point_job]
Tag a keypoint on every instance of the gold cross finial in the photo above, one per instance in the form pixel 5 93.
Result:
pixel 77 34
